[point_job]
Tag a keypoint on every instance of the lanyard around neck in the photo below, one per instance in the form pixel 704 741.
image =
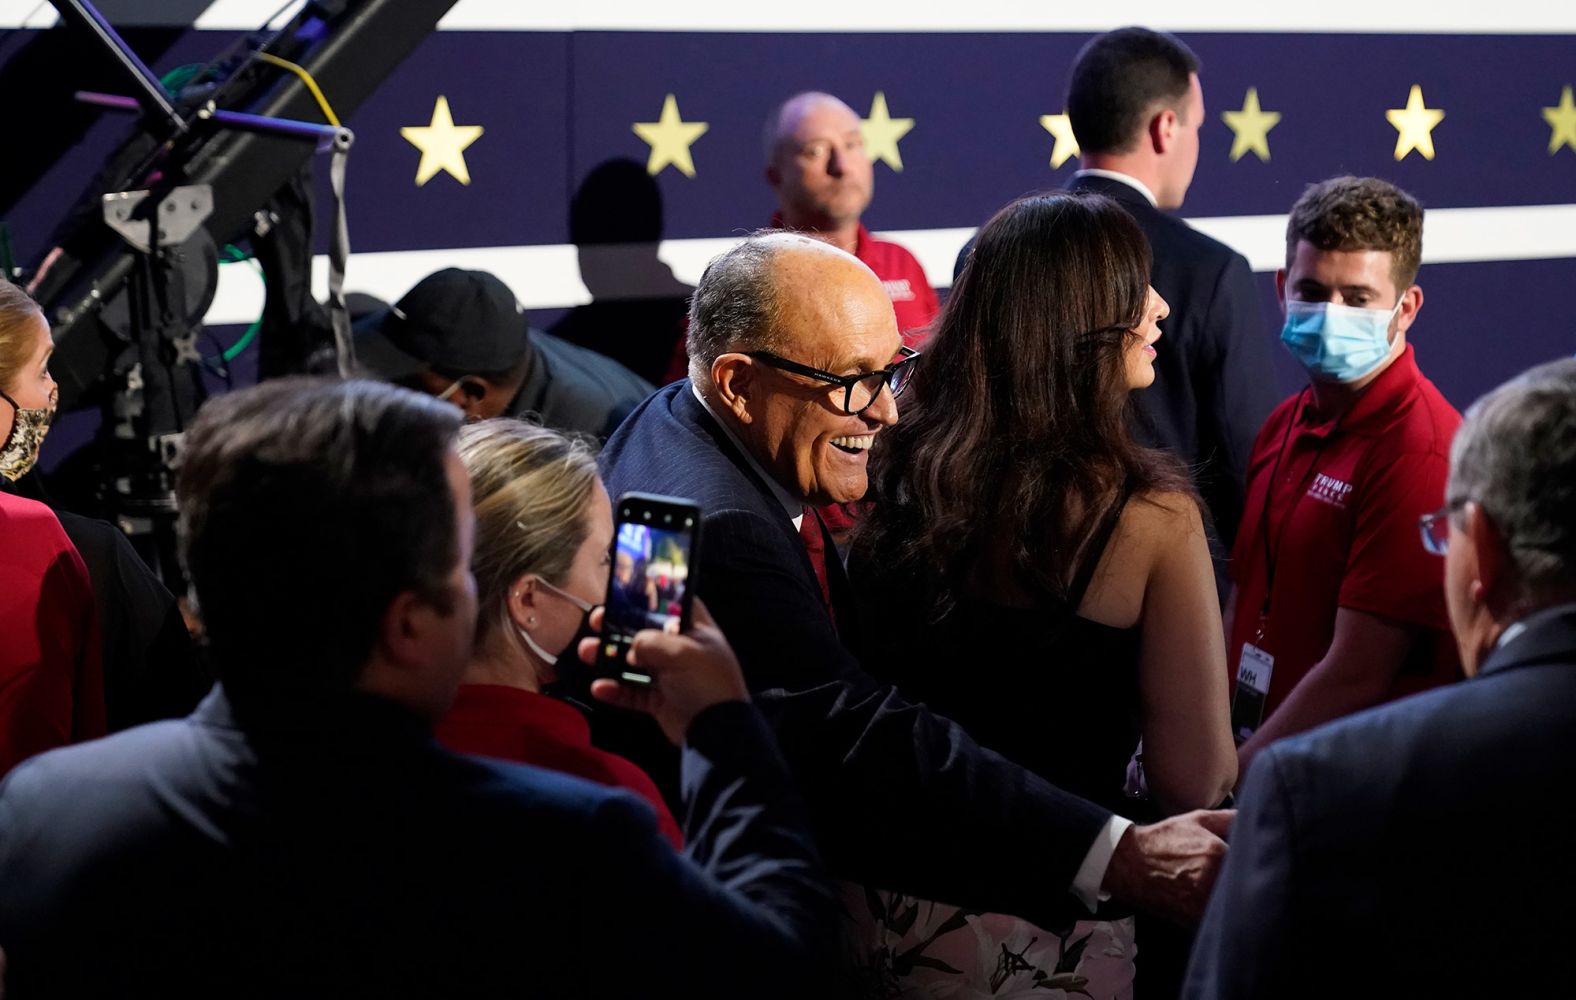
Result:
pixel 1272 548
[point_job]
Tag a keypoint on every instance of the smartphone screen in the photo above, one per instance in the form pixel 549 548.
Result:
pixel 649 587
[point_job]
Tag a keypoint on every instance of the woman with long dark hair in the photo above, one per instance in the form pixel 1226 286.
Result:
pixel 1031 571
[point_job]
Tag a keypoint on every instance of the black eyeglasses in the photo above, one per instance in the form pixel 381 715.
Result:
pixel 859 391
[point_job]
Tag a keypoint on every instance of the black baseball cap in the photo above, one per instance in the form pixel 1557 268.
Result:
pixel 454 320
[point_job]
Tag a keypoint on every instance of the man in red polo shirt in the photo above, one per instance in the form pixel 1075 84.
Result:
pixel 817 164
pixel 1336 605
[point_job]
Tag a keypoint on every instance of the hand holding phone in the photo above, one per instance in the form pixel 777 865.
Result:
pixel 655 540
pixel 690 671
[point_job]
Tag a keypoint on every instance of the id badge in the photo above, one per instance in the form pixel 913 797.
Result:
pixel 1253 688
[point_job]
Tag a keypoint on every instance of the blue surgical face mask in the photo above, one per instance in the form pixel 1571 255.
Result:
pixel 1337 343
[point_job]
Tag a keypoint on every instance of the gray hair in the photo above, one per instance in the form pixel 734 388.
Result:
pixel 1515 456
pixel 735 306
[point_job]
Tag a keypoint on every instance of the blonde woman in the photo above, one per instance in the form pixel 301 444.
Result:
pixel 51 690
pixel 544 528
pixel 150 670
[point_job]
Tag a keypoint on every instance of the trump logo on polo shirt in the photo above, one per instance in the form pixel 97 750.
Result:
pixel 1328 489
pixel 899 290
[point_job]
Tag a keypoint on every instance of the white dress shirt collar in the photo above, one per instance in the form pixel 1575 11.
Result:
pixel 1514 630
pixel 1112 175
pixel 794 508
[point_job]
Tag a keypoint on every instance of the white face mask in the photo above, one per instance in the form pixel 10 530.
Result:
pixel 585 606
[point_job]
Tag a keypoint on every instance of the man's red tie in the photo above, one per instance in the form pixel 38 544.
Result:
pixel 815 544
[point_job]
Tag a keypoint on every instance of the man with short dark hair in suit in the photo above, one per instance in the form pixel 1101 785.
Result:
pixel 302 834
pixel 1136 106
pixel 1398 851
pixel 794 365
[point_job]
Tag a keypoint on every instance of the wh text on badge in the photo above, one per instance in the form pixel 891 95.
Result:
pixel 1253 688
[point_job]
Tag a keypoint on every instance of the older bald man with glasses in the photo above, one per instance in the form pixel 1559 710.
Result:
pixel 1438 821
pixel 796 365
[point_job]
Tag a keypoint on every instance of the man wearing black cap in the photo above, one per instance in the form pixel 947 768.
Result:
pixel 462 336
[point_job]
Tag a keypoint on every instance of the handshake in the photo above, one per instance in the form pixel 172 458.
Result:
pixel 1166 868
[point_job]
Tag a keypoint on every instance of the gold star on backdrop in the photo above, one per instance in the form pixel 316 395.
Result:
pixel 442 144
pixel 669 138
pixel 1251 127
pixel 1562 119
pixel 1415 123
pixel 1066 144
pixel 882 131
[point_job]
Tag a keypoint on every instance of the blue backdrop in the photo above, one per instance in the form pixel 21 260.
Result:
pixel 555 105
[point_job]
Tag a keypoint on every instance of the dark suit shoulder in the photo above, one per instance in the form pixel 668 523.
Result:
pixel 670 445
pixel 197 765
pixel 591 368
pixel 1472 709
pixel 748 526
pixel 98 542
pixel 77 808
pixel 1436 750
pixel 1391 825
pixel 114 762
pixel 524 787
pixel 1175 244
pixel 1182 245
pixel 573 389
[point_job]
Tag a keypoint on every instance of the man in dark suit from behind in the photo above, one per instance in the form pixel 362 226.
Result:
pixel 795 354
pixel 1135 105
pixel 1403 850
pixel 302 834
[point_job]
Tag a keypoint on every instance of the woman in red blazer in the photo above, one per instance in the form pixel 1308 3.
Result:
pixel 544 528
pixel 51 685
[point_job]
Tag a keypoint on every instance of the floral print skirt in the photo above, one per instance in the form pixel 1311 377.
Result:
pixel 902 947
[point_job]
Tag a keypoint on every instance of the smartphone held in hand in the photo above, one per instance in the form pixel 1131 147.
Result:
pixel 654 546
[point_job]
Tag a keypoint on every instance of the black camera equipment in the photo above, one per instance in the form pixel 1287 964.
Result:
pixel 135 264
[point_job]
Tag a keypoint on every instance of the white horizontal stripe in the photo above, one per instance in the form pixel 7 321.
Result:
pixel 1450 235
pixel 1409 17
pixel 234 15
pixel 1536 17
pixel 27 14
pixel 245 15
pixel 548 277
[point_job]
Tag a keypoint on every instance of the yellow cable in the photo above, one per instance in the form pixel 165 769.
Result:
pixel 306 78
